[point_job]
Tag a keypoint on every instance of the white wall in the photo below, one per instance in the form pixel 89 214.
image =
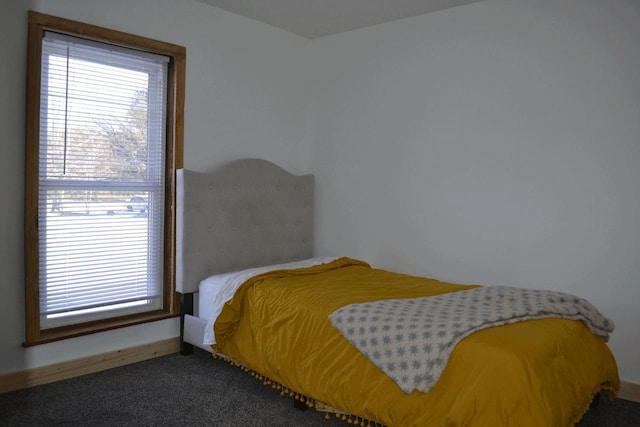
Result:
pixel 244 97
pixel 494 143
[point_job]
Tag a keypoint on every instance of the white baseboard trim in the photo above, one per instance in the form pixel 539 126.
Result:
pixel 87 365
pixel 629 391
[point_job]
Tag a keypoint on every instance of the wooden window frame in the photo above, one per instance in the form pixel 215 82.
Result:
pixel 38 23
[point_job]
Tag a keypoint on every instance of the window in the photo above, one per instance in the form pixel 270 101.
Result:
pixel 104 137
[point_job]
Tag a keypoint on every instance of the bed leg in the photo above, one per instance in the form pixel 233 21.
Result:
pixel 595 402
pixel 300 404
pixel 186 307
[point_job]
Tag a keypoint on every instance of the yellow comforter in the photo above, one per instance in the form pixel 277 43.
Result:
pixel 533 373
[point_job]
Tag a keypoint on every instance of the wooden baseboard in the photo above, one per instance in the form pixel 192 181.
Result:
pixel 629 391
pixel 87 365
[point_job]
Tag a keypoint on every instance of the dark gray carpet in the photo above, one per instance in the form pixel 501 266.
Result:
pixel 193 391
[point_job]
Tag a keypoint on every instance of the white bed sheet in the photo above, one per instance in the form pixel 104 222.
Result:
pixel 215 291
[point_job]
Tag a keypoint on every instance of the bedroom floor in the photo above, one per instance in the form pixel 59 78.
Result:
pixel 193 390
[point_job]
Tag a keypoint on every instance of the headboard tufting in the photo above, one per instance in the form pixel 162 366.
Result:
pixel 248 213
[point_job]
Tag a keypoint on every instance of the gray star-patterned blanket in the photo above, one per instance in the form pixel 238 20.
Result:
pixel 411 339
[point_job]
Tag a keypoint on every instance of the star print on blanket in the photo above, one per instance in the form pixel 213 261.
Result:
pixel 410 340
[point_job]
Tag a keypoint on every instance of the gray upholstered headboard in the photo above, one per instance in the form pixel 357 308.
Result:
pixel 248 213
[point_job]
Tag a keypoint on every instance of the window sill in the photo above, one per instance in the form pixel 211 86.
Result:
pixel 72 331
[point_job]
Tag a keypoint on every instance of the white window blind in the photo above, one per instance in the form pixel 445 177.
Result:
pixel 101 180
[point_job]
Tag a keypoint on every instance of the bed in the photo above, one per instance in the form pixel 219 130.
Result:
pixel 253 294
